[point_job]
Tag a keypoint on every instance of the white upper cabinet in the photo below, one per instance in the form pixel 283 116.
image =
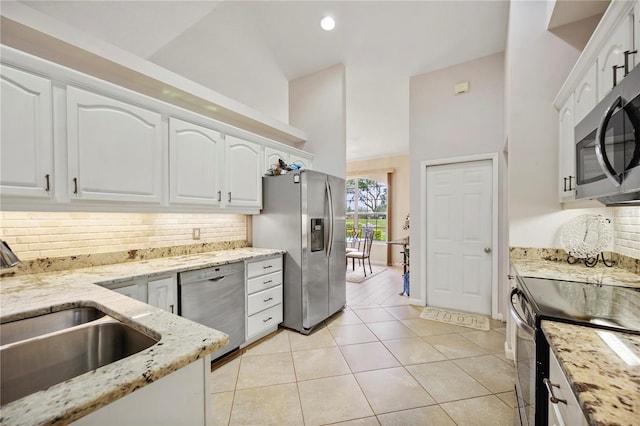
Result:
pixel 243 173
pixel 612 54
pixel 272 155
pixel 305 160
pixel 586 95
pixel 27 144
pixel 115 149
pixel 566 151
pixel 195 160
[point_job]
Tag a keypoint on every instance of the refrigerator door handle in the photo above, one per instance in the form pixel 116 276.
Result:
pixel 331 218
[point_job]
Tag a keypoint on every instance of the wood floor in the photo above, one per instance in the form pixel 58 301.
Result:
pixel 380 290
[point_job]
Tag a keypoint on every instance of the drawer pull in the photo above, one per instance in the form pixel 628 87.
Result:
pixel 48 183
pixel 267 282
pixel 267 300
pixel 552 397
pixel 267 267
pixel 267 320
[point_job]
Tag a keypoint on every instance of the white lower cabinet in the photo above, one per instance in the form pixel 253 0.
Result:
pixel 181 398
pixel 564 410
pixel 264 296
pixel 159 292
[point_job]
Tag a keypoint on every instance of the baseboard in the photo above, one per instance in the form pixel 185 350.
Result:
pixel 508 352
pixel 418 302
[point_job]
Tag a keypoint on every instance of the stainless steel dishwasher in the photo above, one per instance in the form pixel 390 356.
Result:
pixel 215 297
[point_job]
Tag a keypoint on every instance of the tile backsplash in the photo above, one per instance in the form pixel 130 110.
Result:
pixel 626 231
pixel 33 235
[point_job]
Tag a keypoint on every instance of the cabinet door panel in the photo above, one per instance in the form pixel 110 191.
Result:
pixel 162 293
pixel 612 53
pixel 271 157
pixel 133 291
pixel 194 164
pixel 566 151
pixel 586 96
pixel 306 161
pixel 26 144
pixel 243 173
pixel 115 149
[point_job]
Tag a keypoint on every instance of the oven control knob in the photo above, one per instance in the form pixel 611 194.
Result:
pixel 487 249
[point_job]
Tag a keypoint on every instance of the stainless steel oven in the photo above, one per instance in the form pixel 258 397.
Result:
pixel 536 299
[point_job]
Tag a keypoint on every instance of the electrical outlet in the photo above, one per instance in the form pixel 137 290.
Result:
pixel 196 233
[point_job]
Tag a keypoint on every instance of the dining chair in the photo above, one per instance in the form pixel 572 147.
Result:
pixel 363 254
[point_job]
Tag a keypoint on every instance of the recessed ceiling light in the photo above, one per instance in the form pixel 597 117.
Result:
pixel 328 23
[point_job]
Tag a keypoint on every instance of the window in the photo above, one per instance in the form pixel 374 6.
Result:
pixel 367 207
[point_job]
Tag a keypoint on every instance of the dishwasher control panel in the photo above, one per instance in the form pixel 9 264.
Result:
pixel 210 273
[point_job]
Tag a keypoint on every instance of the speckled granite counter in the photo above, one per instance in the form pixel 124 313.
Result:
pixel 607 388
pixel 181 341
pixel 562 270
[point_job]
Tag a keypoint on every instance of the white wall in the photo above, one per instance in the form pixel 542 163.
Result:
pixel 317 105
pixel 538 63
pixel 443 126
pixel 237 63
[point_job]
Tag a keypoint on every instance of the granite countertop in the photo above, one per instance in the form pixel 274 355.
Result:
pixel 607 388
pixel 181 341
pixel 561 270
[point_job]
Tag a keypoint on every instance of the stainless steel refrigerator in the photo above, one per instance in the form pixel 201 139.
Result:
pixel 304 213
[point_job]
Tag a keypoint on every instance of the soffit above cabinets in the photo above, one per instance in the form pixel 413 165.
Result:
pixel 37 35
pixel 562 12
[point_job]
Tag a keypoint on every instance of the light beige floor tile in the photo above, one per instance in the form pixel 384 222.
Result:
pixel 367 421
pixel 503 357
pixel 272 405
pixel 346 317
pixel 413 351
pixel 224 378
pixel 454 346
pixel 374 315
pixel 318 339
pixel 492 373
pixel 264 370
pixel 332 399
pixel 486 410
pixel 276 343
pixel 508 398
pixel 221 407
pixel 501 330
pixel 368 356
pixel 318 363
pixel 445 381
pixel 423 327
pixel 433 415
pixel 392 389
pixel 389 330
pixel 489 340
pixel 352 334
pixel 405 312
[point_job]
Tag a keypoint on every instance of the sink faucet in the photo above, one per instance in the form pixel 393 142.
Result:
pixel 7 257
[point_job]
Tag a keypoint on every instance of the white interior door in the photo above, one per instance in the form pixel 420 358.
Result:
pixel 459 235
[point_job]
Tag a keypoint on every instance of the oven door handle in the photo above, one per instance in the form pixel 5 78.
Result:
pixel 520 322
pixel 601 151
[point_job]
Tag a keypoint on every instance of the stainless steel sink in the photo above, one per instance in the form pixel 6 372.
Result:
pixel 39 362
pixel 36 326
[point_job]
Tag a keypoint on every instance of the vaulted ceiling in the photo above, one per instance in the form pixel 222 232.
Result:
pixel 381 43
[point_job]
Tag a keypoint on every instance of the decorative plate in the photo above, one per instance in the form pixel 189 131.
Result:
pixel 586 236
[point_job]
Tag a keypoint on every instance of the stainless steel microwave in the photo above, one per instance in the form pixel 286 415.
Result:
pixel 608 146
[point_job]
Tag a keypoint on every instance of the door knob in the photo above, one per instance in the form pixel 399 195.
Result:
pixel 487 249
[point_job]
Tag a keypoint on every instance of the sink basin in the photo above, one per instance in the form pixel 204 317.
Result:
pixel 38 363
pixel 36 326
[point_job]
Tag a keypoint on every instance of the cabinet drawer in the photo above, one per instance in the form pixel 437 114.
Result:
pixel 265 299
pixel 264 282
pixel 264 266
pixel 568 413
pixel 264 320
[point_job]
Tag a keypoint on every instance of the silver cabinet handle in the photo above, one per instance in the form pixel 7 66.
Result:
pixel 171 308
pixel 267 282
pixel 267 320
pixel 552 397
pixel 48 183
pixel 267 300
pixel 75 185
pixel 229 196
pixel 219 195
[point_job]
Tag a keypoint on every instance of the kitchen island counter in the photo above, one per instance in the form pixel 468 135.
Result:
pixel 181 343
pixel 606 386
